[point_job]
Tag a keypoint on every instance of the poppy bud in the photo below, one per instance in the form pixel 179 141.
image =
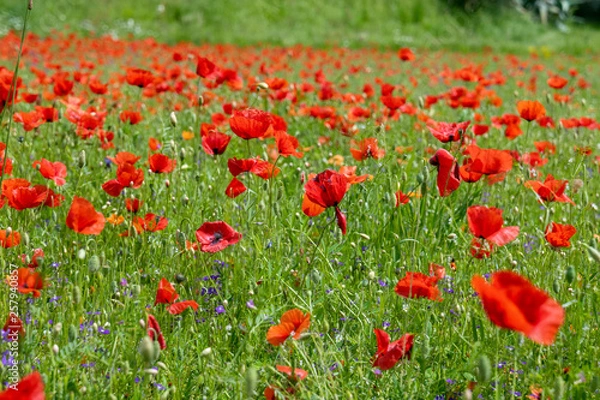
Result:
pixel 9 231
pixel 570 275
pixel 30 5
pixel 72 333
pixel 185 200
pixel 594 253
pixel 206 352
pixel 559 388
pixel 263 86
pixel 167 183
pixel 94 264
pixel 162 365
pixel 76 295
pixel 136 290
pixel 57 327
pixel 251 379
pixel 484 369
pixel 556 286
pixel 55 349
pixel 151 371
pixel 81 159
pixel 173 118
pixel 81 254
pixel 200 100
pixel 147 350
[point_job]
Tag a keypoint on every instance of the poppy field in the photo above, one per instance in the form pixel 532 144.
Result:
pixel 211 221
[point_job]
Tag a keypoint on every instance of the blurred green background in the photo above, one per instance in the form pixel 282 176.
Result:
pixel 450 24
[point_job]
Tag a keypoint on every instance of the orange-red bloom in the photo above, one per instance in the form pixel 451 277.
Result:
pixel 388 354
pixel 530 110
pixel 153 329
pixel 406 54
pixel 216 236
pixel 486 223
pixel 29 281
pixel 215 143
pixel 166 294
pixel 292 324
pixel 250 123
pixel 30 387
pixel 557 82
pixel 9 240
pixel 83 218
pixel 418 285
pixel 56 171
pixel 150 223
pixel 161 164
pixel 512 302
pixel 559 235
pixel 139 77
pixel 551 190
pixel 327 189
pixel 448 131
pixel 448 178
pixel 366 148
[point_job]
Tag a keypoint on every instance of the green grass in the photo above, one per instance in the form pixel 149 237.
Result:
pixel 357 23
pixel 348 285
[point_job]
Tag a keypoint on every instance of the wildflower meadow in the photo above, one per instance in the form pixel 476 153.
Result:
pixel 214 221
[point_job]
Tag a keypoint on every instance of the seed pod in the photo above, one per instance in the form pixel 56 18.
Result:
pixel 559 388
pixel 72 333
pixel 147 350
pixel 556 286
pixel 570 275
pixel 94 264
pixel 251 379
pixel 484 369
pixel 76 295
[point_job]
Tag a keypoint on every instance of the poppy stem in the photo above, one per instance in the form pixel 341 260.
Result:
pixel 319 240
pixel 271 191
pixel 13 93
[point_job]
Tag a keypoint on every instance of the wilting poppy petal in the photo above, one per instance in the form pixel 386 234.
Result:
pixel 178 308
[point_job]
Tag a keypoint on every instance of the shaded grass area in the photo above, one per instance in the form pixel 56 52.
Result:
pixel 355 23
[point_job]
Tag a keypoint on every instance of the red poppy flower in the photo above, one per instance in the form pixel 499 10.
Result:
pixel 448 131
pixel 161 164
pixel 401 198
pixel 62 86
pixel 292 324
pixel 21 195
pixel 154 144
pixel 557 82
pixel 124 157
pixel 30 387
pixel 132 117
pixel 486 223
pixel 327 189
pixel 29 281
pixel 133 205
pixel 366 148
pixel 179 307
pixel 139 77
pixel 166 293
pixel 250 123
pixel 205 67
pixel 530 110
pixel 33 261
pixel 406 54
pixel 551 190
pixel 512 302
pixel 150 223
pixel 97 87
pixel 287 145
pixel 448 178
pixel 154 331
pixel 235 188
pixel 83 218
pixel 216 236
pixel 215 143
pixel 56 171
pixel 30 120
pixel 297 374
pixel 388 354
pixel 9 240
pixel 559 235
pixel 13 326
pixel 418 285
pixel 489 162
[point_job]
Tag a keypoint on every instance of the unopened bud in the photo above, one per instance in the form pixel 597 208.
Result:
pixel 81 160
pixel 55 349
pixel 206 352
pixel 570 275
pixel 251 380
pixel 94 264
pixel 484 369
pixel 146 350
pixel 173 118
pixel 58 327
pixel 200 100
pixel 167 183
pixel 262 86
